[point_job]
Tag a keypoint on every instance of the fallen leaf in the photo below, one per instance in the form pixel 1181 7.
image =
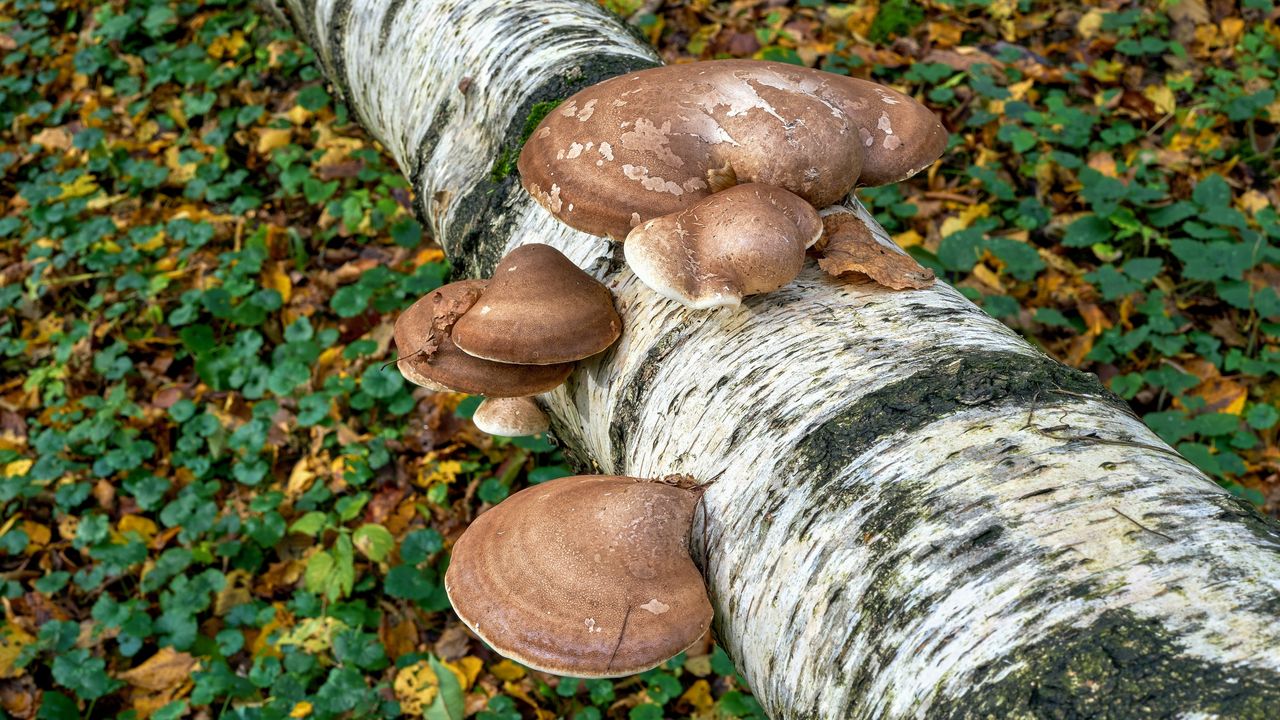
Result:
pixel 1192 11
pixel 1162 97
pixel 506 671
pixel 300 710
pixel 12 640
pixel 699 696
pixel 273 139
pixel 416 686
pixel 851 247
pixel 54 138
pixel 167 669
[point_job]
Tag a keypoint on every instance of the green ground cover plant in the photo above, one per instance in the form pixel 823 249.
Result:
pixel 219 502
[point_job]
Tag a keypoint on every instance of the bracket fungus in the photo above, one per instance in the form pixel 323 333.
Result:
pixel 428 356
pixel 653 142
pixel 539 309
pixel 746 240
pixel 511 417
pixel 586 576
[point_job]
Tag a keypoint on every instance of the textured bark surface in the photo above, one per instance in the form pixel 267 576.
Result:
pixel 913 512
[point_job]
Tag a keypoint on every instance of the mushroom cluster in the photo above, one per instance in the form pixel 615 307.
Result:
pixel 645 158
pixel 508 338
pixel 586 576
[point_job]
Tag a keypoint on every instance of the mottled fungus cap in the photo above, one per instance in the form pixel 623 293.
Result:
pixel 653 142
pixel 746 240
pixel 429 358
pixel 510 417
pixel 539 309
pixel 586 576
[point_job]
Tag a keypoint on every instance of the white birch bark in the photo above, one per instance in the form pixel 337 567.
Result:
pixel 913 512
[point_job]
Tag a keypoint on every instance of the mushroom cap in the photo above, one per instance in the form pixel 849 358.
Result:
pixel 586 576
pixel 430 359
pixel 539 309
pixel 652 142
pixel 746 240
pixel 511 417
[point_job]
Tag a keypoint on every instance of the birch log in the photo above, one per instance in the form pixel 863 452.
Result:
pixel 913 513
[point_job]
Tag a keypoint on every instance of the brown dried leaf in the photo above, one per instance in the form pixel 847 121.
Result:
pixel 166 669
pixel 852 248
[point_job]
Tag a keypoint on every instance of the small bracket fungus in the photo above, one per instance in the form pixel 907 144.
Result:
pixel 511 417
pixel 429 358
pixel 539 309
pixel 586 576
pixel 851 248
pixel 653 142
pixel 746 240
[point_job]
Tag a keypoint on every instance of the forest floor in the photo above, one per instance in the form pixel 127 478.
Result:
pixel 219 501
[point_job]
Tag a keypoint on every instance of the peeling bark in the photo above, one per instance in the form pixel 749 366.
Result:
pixel 913 512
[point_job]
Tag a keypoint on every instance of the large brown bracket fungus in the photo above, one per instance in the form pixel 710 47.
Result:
pixel 586 576
pixel 508 338
pixel 655 142
pixel 746 240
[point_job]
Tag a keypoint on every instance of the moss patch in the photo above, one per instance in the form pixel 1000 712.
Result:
pixel 505 164
pixel 954 383
pixel 1121 666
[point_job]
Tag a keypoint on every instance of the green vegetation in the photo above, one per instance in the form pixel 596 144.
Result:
pixel 218 501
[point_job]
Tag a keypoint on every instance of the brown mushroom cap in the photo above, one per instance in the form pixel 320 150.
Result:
pixel 652 142
pixel 539 309
pixel 430 359
pixel 746 240
pixel 510 417
pixel 586 576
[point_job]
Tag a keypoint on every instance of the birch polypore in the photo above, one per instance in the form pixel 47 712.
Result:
pixel 914 513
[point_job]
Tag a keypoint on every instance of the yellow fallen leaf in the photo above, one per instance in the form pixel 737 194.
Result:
pixel 166 669
pixel 227 46
pixel 467 669
pixel 1162 97
pixel 300 478
pixel 1090 23
pixel 506 671
pixel 145 527
pixel 179 172
pixel 907 239
pixel 273 139
pixel 956 223
pixel 18 468
pixel 298 115
pixel 300 710
pixel 277 278
pixel 81 186
pixel 37 535
pixel 416 686
pixel 12 640
pixel 155 242
pixel 1232 28
pixel 699 696
pixel 313 635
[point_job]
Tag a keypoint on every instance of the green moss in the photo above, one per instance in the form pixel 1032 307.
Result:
pixel 1121 666
pixel 505 164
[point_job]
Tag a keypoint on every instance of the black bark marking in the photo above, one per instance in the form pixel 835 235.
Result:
pixel 953 382
pixel 635 388
pixel 388 19
pixel 338 23
pixel 1120 666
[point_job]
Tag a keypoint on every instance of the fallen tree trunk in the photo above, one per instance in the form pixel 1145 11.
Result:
pixel 913 512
